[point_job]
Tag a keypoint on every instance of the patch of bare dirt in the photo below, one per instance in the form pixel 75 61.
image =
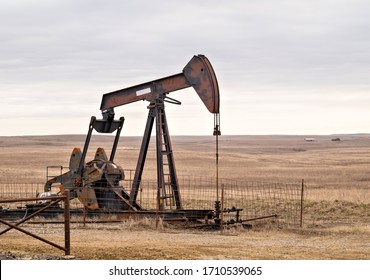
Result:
pixel 144 242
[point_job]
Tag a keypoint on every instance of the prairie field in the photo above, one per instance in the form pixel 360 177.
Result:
pixel 336 198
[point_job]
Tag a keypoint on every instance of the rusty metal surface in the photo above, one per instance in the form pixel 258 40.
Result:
pixel 97 179
pixel 142 156
pixel 198 73
pixel 143 91
pixel 53 200
pixel 184 214
pixel 96 183
pixel 167 183
pixel 42 209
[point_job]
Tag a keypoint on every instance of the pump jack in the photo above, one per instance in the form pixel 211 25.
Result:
pixel 98 179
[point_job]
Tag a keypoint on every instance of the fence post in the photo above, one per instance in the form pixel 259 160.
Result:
pixel 222 203
pixel 67 234
pixel 302 197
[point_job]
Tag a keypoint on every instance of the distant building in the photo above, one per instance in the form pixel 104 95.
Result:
pixel 309 139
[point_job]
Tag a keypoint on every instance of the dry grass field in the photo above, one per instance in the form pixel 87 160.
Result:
pixel 337 198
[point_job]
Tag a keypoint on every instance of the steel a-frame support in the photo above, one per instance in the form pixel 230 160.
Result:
pixel 106 125
pixel 167 183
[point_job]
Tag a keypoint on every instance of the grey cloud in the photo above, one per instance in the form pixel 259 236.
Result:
pixel 74 51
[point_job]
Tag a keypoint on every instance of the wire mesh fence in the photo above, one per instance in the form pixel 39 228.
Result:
pixel 241 201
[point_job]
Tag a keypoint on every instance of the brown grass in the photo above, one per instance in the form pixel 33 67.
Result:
pixel 337 206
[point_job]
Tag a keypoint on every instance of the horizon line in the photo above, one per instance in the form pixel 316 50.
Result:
pixel 190 135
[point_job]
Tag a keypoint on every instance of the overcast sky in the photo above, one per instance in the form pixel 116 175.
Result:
pixel 283 67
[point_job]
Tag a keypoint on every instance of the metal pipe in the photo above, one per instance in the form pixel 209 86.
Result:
pixel 260 218
pixel 33 235
pixel 34 214
pixel 60 197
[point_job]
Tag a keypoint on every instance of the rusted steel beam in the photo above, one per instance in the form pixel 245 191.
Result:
pixel 60 197
pixel 198 73
pixel 86 146
pixel 116 139
pixel 143 91
pixel 142 156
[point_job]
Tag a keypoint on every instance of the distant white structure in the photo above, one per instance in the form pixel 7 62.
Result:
pixel 309 139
